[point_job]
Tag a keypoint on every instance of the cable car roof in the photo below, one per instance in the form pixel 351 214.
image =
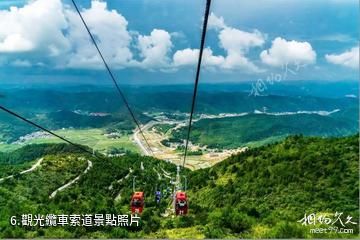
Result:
pixel 138 194
pixel 181 195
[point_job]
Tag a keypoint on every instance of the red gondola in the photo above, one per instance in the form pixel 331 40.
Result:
pixel 137 202
pixel 181 203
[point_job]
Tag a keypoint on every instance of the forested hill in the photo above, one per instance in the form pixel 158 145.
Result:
pixel 256 129
pixel 264 192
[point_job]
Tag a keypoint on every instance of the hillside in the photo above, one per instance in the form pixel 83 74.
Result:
pixel 251 129
pixel 264 192
pixel 261 193
pixel 95 192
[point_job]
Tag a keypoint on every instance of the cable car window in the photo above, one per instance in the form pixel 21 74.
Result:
pixel 182 203
pixel 137 203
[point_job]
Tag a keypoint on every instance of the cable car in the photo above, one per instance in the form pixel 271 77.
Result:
pixel 181 203
pixel 137 202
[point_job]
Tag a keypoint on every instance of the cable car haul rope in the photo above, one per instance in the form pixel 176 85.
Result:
pixel 197 77
pixel 181 201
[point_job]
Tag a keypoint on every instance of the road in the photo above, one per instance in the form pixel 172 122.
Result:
pixel 138 141
pixel 120 180
pixel 33 168
pixel 118 197
pixel 171 154
pixel 90 164
pixel 159 175
pixel 141 143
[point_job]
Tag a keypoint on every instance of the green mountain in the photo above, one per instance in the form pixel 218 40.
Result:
pixel 264 192
pixel 233 132
pixel 260 193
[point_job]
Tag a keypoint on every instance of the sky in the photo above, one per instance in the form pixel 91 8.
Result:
pixel 157 41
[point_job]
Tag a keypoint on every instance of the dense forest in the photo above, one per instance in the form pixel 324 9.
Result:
pixel 262 193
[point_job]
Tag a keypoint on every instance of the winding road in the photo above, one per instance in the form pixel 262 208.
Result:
pixel 118 197
pixel 158 174
pixel 90 164
pixel 33 168
pixel 120 180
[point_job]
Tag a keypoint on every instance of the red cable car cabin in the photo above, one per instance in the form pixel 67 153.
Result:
pixel 137 202
pixel 181 203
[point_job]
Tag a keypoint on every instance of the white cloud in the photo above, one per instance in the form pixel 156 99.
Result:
pixel 232 39
pixel 210 59
pixel 35 27
pixel 15 43
pixel 154 48
pixel 235 42
pixel 186 57
pixel 348 58
pixel 215 22
pixel 238 61
pixel 51 32
pixel 283 52
pixel 189 56
pixel 48 29
pixel 109 29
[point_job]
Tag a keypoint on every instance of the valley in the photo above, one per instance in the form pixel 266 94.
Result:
pixel 198 157
pixel 215 137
